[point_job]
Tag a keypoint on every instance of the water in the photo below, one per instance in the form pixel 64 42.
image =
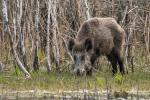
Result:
pixel 74 95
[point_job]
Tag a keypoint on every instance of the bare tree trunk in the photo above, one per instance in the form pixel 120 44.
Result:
pixel 36 58
pixel 7 30
pixel 72 14
pixel 87 9
pixel 55 32
pixel 84 9
pixel 48 39
pixel 20 45
pixel 146 38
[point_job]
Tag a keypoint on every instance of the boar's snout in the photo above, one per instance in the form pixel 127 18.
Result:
pixel 79 72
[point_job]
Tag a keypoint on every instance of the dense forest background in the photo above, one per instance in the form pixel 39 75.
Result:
pixel 34 33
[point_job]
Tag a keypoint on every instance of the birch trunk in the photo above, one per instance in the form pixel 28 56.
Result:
pixel 85 9
pixel 146 37
pixel 7 30
pixel 55 32
pixel 20 45
pixel 48 39
pixel 36 58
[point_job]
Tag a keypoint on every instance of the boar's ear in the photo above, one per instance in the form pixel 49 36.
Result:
pixel 88 44
pixel 70 44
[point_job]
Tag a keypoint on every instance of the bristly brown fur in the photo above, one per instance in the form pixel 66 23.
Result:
pixel 107 38
pixel 79 46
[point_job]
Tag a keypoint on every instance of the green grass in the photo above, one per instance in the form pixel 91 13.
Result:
pixel 66 81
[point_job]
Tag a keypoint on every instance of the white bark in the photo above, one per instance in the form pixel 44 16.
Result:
pixel 14 27
pixel 85 9
pixel 21 45
pixel 36 58
pixel 55 31
pixel 2 66
pixel 18 16
pixel 48 39
pixel 146 34
pixel 5 16
pixel 7 30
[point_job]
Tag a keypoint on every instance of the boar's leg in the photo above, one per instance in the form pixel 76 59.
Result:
pixel 93 61
pixel 113 60
pixel 120 62
pixel 89 72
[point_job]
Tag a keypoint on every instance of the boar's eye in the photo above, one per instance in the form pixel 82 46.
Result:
pixel 83 57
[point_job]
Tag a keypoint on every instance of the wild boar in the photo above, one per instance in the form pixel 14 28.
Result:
pixel 97 37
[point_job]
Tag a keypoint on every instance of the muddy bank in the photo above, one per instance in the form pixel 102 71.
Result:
pixel 74 95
